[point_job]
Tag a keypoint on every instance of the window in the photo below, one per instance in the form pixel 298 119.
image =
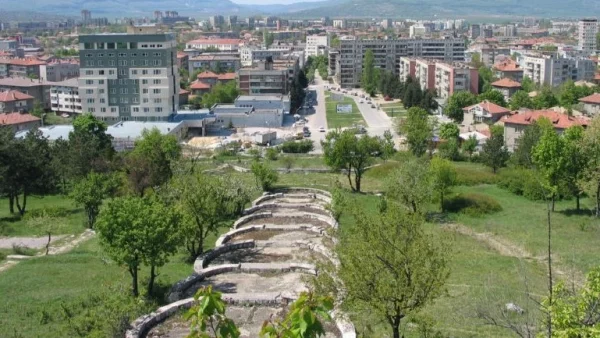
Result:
pixel 136 109
pixel 113 109
pixel 159 46
pixel 113 100
pixel 158 109
pixel 101 91
pixel 101 72
pixel 156 81
pixel 89 63
pixel 122 62
pixel 132 62
pixel 135 82
pixel 112 82
pixel 111 62
pixel 126 110
pixel 132 45
pixel 100 63
pixel 88 45
pixel 113 90
pixel 133 55
pixel 144 71
pixel 157 54
pixel 89 91
pixel 145 54
pixel 135 90
pixel 122 55
pixel 99 45
pixel 156 71
pixel 145 100
pixel 134 72
pixel 135 100
pixel 145 62
pixel 92 110
pixel 90 101
pixel 102 100
pixel 144 46
pixel 122 71
pixel 111 55
pixel 124 100
pixel 110 45
pixel 89 82
pixel 156 90
pixel 146 110
pixel 124 91
pixel 144 81
pixel 145 91
pixel 103 110
pixel 111 72
pixel 89 72
pixel 121 45
pixel 100 55
pixel 157 100
pixel 152 46
pixel 157 62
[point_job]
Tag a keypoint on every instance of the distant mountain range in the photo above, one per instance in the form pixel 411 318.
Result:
pixel 331 8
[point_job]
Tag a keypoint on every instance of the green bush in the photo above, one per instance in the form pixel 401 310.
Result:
pixel 47 212
pixel 23 250
pixel 297 147
pixel 472 204
pixel 2 256
pixel 271 154
pixel 522 182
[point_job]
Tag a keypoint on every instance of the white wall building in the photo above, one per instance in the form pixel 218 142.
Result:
pixel 588 29
pixel 315 44
pixel 64 97
pixel 223 45
pixel 554 70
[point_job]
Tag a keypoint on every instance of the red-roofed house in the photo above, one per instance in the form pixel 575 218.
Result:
pixel 183 60
pixel 514 125
pixel 591 104
pixel 184 96
pixel 507 87
pixel 20 67
pixel 12 101
pixel 597 79
pixel 207 79
pixel 483 112
pixel 199 88
pixel 19 121
pixel 509 68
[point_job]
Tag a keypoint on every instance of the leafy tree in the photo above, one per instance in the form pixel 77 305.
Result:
pixel 343 150
pixel 389 267
pixel 91 191
pixel 428 101
pixel 493 153
pixel 302 79
pixel 457 102
pixel 297 94
pixel 486 77
pixel 413 95
pixel 206 204
pixel 449 131
pixel 526 142
pixel 575 160
pixel 545 99
pixel 268 38
pixel 519 100
pixel 135 231
pixel 570 93
pixel 387 146
pixel 549 157
pixel 527 84
pixel 418 130
pixel 493 96
pixel 470 145
pixel 449 149
pixel 207 317
pixel 411 185
pixel 367 81
pixel 90 146
pixel 476 60
pixel 591 175
pixel 443 178
pixel 220 93
pixel 38 110
pixel 304 319
pixel 60 162
pixel 264 175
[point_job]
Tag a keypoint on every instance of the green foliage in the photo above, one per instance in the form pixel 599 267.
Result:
pixel 570 93
pixel 457 102
pixel 264 175
pixel 519 100
pixel 304 319
pixel 522 155
pixel 297 94
pixel 90 192
pixel 575 161
pixel 418 130
pixel 411 185
pixel 470 176
pixel 449 131
pixel 469 145
pixel 135 231
pixel 590 183
pixel 90 147
pixel 339 201
pixel 343 150
pixel 527 84
pixel 413 95
pixel 268 38
pixel 493 96
pixel 486 77
pixel 549 157
pixel 443 178
pixel 207 317
pixel 545 99
pixel 387 146
pixel 493 153
pixel 472 204
pixel 368 81
pixel 449 149
pixel 38 109
pixel 271 154
pixel 220 93
pixel 297 147
pixel 390 85
pixel 523 182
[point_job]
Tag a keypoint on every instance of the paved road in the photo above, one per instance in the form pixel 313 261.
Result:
pixel 318 118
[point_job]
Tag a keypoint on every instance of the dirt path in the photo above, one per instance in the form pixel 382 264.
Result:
pixel 66 244
pixel 506 248
pixel 30 242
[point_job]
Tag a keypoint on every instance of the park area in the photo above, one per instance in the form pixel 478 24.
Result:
pixel 341 120
pixel 395 109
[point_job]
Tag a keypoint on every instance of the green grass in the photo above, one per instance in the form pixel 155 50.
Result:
pixel 14 225
pixel 53 119
pixel 396 107
pixel 523 222
pixel 335 120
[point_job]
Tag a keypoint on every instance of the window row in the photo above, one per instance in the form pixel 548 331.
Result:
pixel 123 63
pixel 123 55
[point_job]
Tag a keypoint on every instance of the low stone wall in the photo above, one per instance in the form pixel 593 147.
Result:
pixel 264 215
pixel 205 259
pixel 245 219
pixel 271 206
pixel 233 233
pixel 319 194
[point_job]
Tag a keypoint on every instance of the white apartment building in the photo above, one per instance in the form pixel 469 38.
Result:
pixel 340 23
pixel 315 45
pixel 59 70
pixel 252 54
pixel 553 70
pixel 130 76
pixel 223 45
pixel 406 68
pixel 425 73
pixel 417 30
pixel 587 31
pixel 64 97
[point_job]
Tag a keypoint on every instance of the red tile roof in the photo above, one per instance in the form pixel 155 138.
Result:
pixel 183 91
pixel 506 83
pixel 490 107
pixel 597 77
pixel 23 62
pixel 199 85
pixel 594 98
pixel 559 121
pixel 181 55
pixel 508 66
pixel 226 76
pixel 16 118
pixel 207 74
pixel 14 95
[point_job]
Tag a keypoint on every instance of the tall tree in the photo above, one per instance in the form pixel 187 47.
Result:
pixel 443 178
pixel 519 100
pixel 367 81
pixel 493 153
pixel 527 84
pixel 523 153
pixel 91 191
pixel 389 267
pixel 493 96
pixel 591 175
pixel 545 99
pixel 136 231
pixel 449 131
pixel 411 185
pixel 90 146
pixel 264 175
pixel 549 157
pixel 343 150
pixel 418 130
pixel 457 102
pixel 575 161
pixel 470 145
pixel 387 146
pixel 302 79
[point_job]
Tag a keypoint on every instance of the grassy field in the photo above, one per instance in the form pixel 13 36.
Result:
pixel 394 109
pixel 335 120
pixel 62 217
pixel 53 119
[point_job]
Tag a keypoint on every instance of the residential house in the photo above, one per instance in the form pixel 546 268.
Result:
pixel 507 87
pixel 510 69
pixel 19 121
pixel 591 104
pixel 484 112
pixel 40 90
pixel 207 79
pixel 12 101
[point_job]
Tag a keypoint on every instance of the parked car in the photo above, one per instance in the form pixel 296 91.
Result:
pixel 373 106
pixel 322 129
pixel 361 101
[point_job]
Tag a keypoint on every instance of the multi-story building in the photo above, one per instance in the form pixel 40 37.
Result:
pixel 455 77
pixel 406 68
pixel 425 73
pixel 387 54
pixel 340 23
pixel 252 54
pixel 474 31
pixel 216 21
pixel 509 30
pixel 59 70
pixel 508 69
pixel 553 70
pixel 591 104
pixel 64 97
pixel 10 46
pixel 489 53
pixel 40 90
pixel 216 62
pixel 223 45
pixel 13 101
pixel 267 77
pixel 130 76
pixel 232 21
pixel 508 87
pixel 316 44
pixel 21 67
pixel 183 60
pixel 333 54
pixel 587 32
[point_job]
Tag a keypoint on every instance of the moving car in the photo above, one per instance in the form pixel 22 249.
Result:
pixel 361 101
pixel 322 129
pixel 373 106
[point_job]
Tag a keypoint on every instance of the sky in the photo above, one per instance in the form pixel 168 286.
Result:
pixel 270 2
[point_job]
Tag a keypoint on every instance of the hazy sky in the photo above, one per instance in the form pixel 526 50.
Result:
pixel 269 2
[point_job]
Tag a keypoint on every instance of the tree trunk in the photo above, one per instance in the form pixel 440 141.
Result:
pixel 357 179
pixel 19 207
pixel 134 280
pixel 598 200
pixel 553 200
pixel 395 323
pixel 349 174
pixel 11 203
pixel 442 201
pixel 577 197
pixel 151 281
pixel 48 244
pixel 550 286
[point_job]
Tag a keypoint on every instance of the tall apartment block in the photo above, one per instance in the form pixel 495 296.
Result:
pixel 454 77
pixel 588 28
pixel 387 54
pixel 130 76
pixel 554 70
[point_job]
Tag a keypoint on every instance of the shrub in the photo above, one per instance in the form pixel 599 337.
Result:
pixel 468 176
pixel 47 212
pixel 522 182
pixel 265 176
pixel 23 250
pixel 297 147
pixel 271 154
pixel 472 204
pixel 2 256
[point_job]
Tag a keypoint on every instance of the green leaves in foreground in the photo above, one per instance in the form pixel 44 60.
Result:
pixel 208 316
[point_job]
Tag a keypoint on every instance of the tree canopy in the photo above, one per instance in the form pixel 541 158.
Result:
pixel 418 130
pixel 457 102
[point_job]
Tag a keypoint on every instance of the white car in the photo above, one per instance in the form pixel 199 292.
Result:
pixel 322 129
pixel 361 101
